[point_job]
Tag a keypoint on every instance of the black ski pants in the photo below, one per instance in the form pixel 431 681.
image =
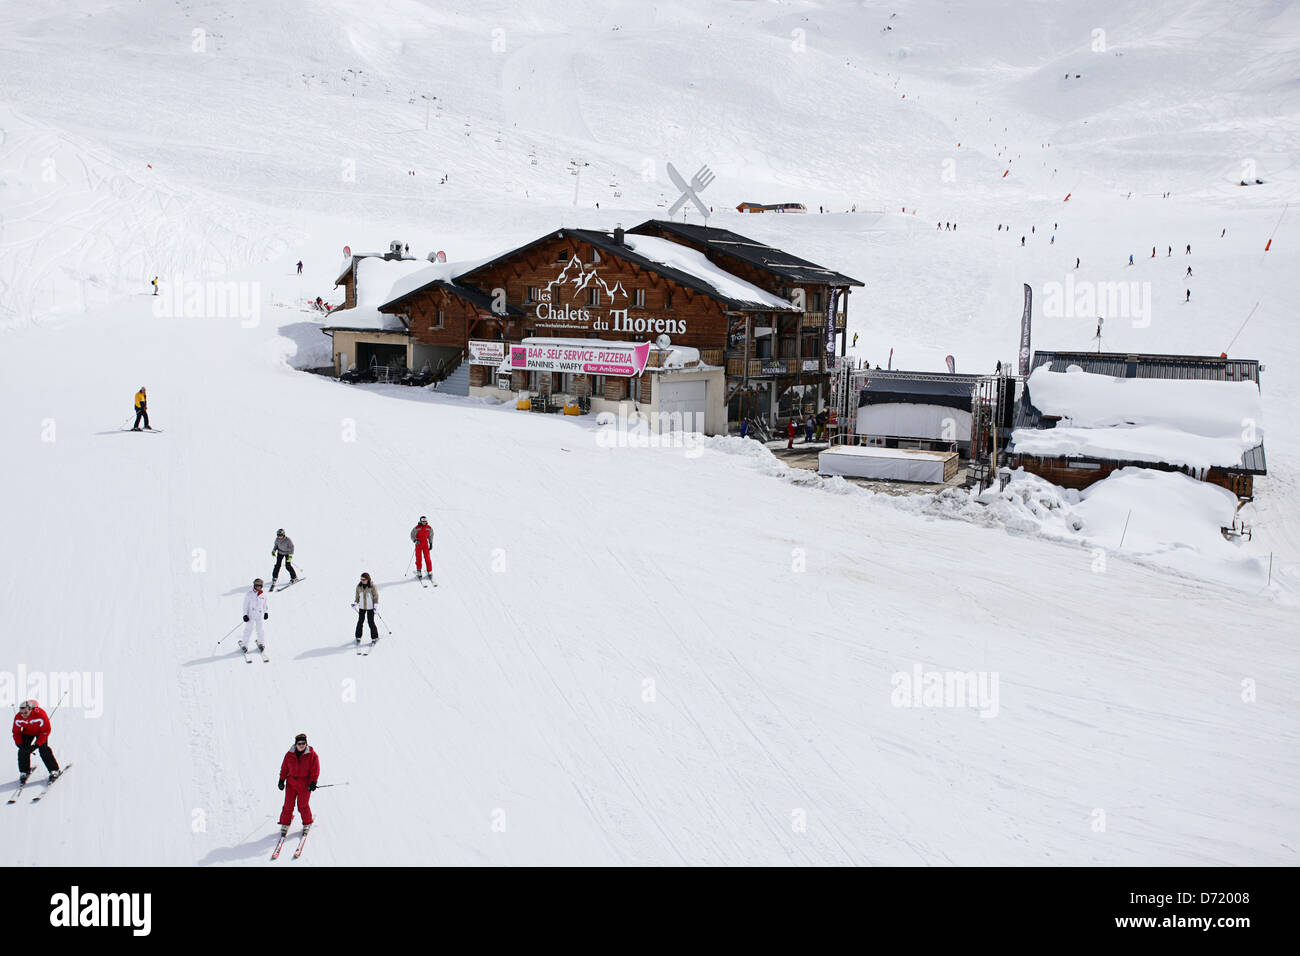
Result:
pixel 25 755
pixel 288 564
pixel 361 619
pixel 141 413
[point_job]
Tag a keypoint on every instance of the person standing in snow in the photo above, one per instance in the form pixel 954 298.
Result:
pixel 299 267
pixel 789 431
pixel 1130 258
pixel 365 602
pixel 1189 250
pixel 141 410
pixel 809 428
pixel 255 613
pixel 154 283
pixel 282 550
pixel 299 771
pixel 32 733
pixel 1189 296
pixel 422 536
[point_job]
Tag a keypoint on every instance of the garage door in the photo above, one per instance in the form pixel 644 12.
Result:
pixel 686 399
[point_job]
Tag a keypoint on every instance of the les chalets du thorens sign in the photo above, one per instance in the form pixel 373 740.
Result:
pixel 579 278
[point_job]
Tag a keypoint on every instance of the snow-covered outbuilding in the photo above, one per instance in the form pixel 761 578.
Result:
pixel 362 334
pixel 1084 415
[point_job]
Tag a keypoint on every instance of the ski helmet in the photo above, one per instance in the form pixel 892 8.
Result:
pixel 279 531
pixel 28 704
pixel 257 583
pixel 423 519
pixel 300 739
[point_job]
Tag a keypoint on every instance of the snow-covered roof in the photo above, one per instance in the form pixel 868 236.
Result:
pixel 694 263
pixel 1185 422
pixel 428 274
pixel 375 277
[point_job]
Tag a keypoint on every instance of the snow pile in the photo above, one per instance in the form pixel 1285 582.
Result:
pixel 1029 504
pixel 1172 520
pixel 1198 424
pixel 695 263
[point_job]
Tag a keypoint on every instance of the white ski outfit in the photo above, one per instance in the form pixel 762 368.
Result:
pixel 255 609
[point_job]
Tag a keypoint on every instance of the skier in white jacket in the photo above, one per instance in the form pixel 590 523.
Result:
pixel 255 612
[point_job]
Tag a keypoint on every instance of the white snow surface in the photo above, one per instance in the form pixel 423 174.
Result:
pixel 690 648
pixel 1176 421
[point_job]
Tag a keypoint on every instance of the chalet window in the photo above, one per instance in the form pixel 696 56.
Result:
pixel 562 255
pixel 816 302
pixel 638 298
pixel 438 322
pixel 593 296
pixel 534 294
pixel 597 383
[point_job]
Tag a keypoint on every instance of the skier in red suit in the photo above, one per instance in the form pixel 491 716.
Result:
pixel 422 535
pixel 32 732
pixel 298 774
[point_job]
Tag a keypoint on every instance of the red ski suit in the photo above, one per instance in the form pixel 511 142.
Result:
pixel 422 535
pixel 298 770
pixel 35 724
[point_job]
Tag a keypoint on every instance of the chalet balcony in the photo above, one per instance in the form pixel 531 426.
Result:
pixel 768 367
pixel 817 320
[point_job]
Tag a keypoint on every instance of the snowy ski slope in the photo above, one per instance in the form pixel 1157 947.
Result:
pixel 650 656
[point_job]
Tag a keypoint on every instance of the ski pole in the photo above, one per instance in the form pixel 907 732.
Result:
pixel 322 786
pixel 228 633
pixel 58 705
pixel 408 564
pixel 385 623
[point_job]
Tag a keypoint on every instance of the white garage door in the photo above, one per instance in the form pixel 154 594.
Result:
pixel 685 398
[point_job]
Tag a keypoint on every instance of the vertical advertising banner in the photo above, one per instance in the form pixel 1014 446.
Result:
pixel 1024 334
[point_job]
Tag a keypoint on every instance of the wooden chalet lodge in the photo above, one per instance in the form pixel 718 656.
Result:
pixel 750 330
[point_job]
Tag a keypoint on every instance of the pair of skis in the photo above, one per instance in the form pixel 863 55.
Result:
pixel 292 582
pixel 425 579
pixel 248 656
pixel 39 796
pixel 363 650
pixel 275 854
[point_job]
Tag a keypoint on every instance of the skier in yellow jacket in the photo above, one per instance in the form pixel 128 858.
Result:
pixel 141 411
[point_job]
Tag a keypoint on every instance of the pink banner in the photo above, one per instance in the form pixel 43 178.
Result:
pixel 619 360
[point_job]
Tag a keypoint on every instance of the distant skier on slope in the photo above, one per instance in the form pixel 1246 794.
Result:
pixel 299 771
pixel 282 550
pixel 365 602
pixel 255 613
pixel 422 536
pixel 141 410
pixel 32 732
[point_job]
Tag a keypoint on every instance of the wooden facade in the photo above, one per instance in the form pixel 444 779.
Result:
pixel 579 284
pixel 1080 473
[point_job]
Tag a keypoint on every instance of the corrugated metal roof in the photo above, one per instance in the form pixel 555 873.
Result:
pixel 1129 365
